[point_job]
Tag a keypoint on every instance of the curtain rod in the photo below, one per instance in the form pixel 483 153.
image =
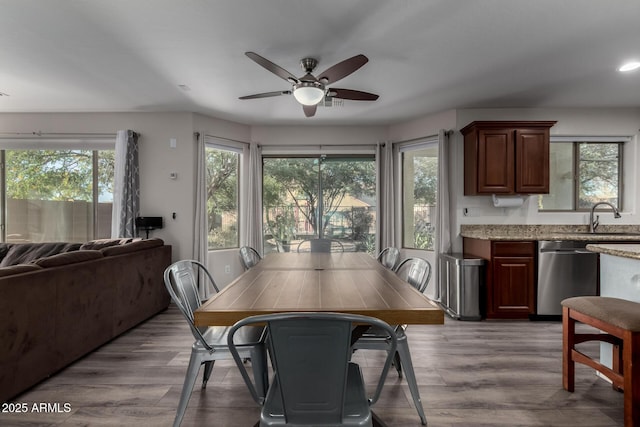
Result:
pixel 320 146
pixel 223 138
pixel 420 138
pixel 58 134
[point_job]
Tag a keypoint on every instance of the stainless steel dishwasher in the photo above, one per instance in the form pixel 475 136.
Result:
pixel 565 269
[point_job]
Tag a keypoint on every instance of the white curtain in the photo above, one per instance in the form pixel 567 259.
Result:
pixel 200 224
pixel 386 196
pixel 252 214
pixel 126 191
pixel 443 198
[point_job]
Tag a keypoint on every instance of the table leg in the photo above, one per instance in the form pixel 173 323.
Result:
pixel 376 421
pixel 357 332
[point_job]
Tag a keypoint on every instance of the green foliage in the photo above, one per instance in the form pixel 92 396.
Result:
pixel 425 180
pixel 283 226
pixel 221 239
pixel 297 179
pixel 599 174
pixel 57 174
pixel 222 198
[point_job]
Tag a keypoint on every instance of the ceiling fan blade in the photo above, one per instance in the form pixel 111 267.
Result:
pixel 275 69
pixel 309 110
pixel 342 69
pixel 355 95
pixel 267 94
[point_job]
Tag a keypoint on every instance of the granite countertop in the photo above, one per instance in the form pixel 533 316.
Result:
pixel 606 233
pixel 621 250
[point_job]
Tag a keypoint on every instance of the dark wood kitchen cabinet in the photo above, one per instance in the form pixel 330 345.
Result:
pixel 506 157
pixel 510 276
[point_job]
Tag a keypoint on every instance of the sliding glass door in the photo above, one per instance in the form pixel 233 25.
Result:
pixel 319 197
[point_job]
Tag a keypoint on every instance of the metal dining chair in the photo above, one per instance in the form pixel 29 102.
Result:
pixel 389 257
pixel 249 256
pixel 321 245
pixel 181 281
pixel 314 383
pixel 416 272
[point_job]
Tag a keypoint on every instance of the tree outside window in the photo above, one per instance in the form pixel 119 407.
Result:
pixel 222 197
pixel 419 192
pixel 58 195
pixel 582 174
pixel 328 197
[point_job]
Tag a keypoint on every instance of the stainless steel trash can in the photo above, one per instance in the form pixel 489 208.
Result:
pixel 461 286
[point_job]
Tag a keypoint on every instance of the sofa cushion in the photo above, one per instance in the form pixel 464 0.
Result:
pixel 132 247
pixel 4 249
pixel 68 258
pixel 24 253
pixel 17 269
pixel 105 243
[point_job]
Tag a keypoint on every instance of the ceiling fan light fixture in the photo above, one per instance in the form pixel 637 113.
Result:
pixel 629 66
pixel 308 93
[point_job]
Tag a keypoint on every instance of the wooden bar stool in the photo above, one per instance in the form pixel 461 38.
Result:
pixel 620 321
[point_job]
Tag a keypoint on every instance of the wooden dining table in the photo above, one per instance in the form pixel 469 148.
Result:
pixel 348 282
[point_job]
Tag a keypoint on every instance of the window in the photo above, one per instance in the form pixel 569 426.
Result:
pixel 582 174
pixel 419 191
pixel 222 196
pixel 57 195
pixel 319 197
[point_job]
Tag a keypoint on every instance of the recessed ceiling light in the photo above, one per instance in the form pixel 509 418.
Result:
pixel 630 66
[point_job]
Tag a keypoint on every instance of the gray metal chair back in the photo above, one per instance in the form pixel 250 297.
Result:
pixel 314 381
pixel 249 256
pixel 320 245
pixel 389 257
pixel 415 271
pixel 181 281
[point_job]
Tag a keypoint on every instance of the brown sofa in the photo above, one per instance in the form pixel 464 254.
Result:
pixel 58 307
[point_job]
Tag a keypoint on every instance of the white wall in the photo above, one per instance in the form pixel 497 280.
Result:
pixel 423 126
pixel 318 135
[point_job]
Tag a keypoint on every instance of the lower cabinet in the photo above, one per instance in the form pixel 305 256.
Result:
pixel 511 275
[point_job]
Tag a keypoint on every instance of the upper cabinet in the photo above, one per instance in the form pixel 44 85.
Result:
pixel 506 157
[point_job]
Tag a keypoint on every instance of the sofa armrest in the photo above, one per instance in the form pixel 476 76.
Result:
pixel 17 269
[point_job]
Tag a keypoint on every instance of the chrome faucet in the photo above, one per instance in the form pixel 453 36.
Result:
pixel 593 223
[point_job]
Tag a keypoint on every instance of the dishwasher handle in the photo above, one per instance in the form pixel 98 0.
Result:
pixel 565 251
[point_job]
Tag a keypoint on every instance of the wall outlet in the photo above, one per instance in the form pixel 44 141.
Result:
pixel 227 269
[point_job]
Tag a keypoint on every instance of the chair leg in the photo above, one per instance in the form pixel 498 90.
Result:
pixel 208 367
pixel 189 381
pixel 405 357
pixel 631 369
pixel 397 364
pixel 260 370
pixel 568 343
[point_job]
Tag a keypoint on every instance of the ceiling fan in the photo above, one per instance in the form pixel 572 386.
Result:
pixel 309 90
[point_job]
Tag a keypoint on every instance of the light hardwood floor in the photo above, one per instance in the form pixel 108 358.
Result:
pixel 489 373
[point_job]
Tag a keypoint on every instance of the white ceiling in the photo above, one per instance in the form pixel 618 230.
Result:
pixel 425 56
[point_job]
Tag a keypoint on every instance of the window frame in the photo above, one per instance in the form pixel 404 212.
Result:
pixel 575 142
pixel 429 142
pixel 93 143
pixel 338 153
pixel 237 148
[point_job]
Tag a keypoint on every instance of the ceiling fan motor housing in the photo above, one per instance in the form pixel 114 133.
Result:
pixel 308 64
